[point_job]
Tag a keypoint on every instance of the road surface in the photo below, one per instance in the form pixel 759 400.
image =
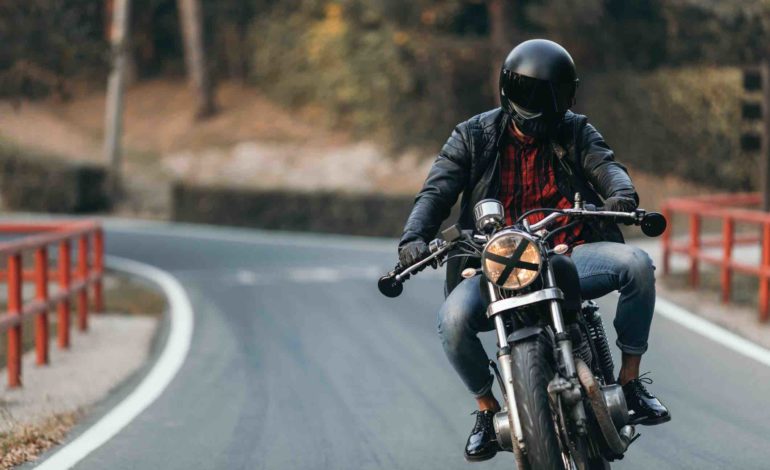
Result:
pixel 297 362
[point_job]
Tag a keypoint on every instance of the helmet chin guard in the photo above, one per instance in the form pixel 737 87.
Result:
pixel 532 124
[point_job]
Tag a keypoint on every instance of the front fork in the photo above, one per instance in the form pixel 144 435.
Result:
pixel 506 378
pixel 567 387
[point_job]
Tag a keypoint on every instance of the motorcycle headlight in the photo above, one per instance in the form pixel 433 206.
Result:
pixel 511 260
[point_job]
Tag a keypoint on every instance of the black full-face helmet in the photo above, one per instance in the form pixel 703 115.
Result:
pixel 538 81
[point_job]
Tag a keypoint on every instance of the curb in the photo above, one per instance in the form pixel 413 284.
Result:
pixel 162 372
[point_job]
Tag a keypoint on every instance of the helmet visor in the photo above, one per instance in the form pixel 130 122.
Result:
pixel 539 96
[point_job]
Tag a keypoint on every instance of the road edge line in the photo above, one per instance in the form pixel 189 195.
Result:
pixel 712 331
pixel 154 383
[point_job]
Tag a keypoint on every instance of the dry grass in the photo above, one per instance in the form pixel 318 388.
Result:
pixel 27 442
pixel 132 296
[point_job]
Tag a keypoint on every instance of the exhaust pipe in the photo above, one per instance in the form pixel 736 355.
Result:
pixel 618 442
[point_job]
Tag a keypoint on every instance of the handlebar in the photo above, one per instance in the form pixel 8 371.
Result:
pixel 391 285
pixel 652 223
pixel 633 217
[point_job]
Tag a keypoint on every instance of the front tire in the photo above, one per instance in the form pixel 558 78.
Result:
pixel 533 369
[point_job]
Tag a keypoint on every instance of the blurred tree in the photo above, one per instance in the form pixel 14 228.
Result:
pixel 230 20
pixel 366 72
pixel 191 12
pixel 501 35
pixel 44 43
pixel 407 70
pixel 638 31
pixel 155 38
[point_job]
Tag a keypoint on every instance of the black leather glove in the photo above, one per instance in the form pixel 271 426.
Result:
pixel 412 252
pixel 619 204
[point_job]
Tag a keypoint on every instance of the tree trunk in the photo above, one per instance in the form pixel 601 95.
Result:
pixel 118 34
pixel 195 58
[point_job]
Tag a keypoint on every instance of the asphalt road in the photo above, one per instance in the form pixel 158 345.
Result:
pixel 297 362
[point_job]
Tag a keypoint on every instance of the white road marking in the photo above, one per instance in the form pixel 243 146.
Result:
pixel 178 344
pixel 665 308
pixel 168 364
pixel 713 332
pixel 245 277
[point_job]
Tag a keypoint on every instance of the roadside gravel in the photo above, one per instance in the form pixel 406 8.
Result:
pixel 97 362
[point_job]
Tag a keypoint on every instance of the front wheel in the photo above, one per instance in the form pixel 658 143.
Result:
pixel 533 368
pixel 589 463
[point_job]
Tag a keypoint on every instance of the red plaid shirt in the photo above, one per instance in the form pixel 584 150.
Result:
pixel 528 182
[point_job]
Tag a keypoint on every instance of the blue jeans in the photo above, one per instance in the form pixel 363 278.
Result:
pixel 603 267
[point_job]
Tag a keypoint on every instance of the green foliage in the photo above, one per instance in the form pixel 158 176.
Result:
pixel 406 71
pixel 45 42
pixel 718 32
pixel 364 72
pixel 681 122
pixel 411 70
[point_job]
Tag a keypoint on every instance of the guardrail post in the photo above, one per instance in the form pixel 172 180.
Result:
pixel 98 269
pixel 41 295
pixel 83 277
pixel 14 310
pixel 63 311
pixel 764 280
pixel 728 239
pixel 666 240
pixel 694 249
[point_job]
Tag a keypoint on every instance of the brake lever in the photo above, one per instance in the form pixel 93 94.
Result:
pixel 437 249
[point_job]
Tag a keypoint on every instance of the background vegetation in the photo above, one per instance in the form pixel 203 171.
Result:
pixel 659 77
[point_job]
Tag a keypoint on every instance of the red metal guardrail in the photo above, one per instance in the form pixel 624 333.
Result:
pixel 729 209
pixel 76 280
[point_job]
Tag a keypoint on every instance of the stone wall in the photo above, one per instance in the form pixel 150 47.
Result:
pixel 325 212
pixel 34 182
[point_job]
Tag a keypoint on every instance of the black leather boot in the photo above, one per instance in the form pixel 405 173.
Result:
pixel 482 444
pixel 643 407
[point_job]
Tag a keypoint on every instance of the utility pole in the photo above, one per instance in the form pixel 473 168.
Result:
pixel 757 79
pixel 113 123
pixel 764 70
pixel 195 58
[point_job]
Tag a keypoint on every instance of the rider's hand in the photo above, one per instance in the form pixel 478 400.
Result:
pixel 412 252
pixel 619 204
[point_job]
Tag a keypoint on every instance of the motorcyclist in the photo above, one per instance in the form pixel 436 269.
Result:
pixel 534 152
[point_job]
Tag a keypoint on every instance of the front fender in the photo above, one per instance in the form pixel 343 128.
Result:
pixel 524 334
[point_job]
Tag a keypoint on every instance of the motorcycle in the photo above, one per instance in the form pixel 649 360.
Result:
pixel 562 407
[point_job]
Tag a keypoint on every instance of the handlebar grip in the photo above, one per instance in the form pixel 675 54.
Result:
pixel 389 286
pixel 653 224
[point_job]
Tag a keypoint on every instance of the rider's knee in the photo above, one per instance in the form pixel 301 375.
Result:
pixel 453 321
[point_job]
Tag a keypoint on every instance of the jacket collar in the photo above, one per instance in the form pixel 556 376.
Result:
pixel 561 145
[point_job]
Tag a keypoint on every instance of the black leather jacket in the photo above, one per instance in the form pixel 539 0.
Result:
pixel 469 164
